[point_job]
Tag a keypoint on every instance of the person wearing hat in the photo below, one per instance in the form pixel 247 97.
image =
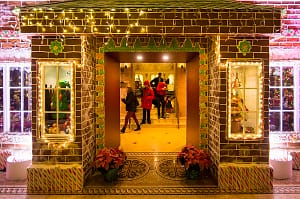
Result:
pixel 161 93
pixel 147 97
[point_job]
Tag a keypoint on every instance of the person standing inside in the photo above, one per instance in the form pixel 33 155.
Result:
pixel 161 93
pixel 147 97
pixel 156 80
pixel 131 104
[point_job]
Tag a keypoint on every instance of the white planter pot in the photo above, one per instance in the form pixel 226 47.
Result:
pixel 282 168
pixel 16 169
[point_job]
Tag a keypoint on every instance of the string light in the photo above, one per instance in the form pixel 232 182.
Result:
pixel 259 116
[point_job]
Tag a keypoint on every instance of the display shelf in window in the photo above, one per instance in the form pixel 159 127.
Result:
pixel 56 97
pixel 245 100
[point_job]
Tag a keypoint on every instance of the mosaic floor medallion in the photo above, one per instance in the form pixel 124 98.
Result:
pixel 171 170
pixel 134 169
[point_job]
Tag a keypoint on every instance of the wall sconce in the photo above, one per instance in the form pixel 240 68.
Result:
pixel 182 67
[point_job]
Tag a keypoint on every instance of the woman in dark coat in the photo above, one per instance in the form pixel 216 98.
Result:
pixel 131 104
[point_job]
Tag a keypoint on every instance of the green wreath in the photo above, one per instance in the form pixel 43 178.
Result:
pixel 244 47
pixel 56 47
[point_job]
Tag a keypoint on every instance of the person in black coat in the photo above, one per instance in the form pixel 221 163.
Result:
pixel 131 104
pixel 154 82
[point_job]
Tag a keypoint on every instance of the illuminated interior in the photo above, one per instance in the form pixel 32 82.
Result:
pixel 245 104
pixel 56 101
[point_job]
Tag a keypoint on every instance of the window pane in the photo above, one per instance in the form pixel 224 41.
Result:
pixel 250 77
pixel 1 99
pixel 50 78
pixel 288 121
pixel 1 77
pixel 27 99
pixel 1 123
pixel 48 97
pixel 15 77
pixel 15 122
pixel 27 122
pixel 274 99
pixel 275 76
pixel 249 104
pixel 53 103
pixel 275 121
pixel 26 77
pixel 15 99
pixel 64 74
pixel 64 100
pixel 288 99
pixel 1 92
pixel 287 76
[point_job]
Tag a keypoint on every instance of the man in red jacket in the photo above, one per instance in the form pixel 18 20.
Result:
pixel 147 97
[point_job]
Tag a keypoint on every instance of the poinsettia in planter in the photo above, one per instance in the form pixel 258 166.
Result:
pixel 195 161
pixel 108 161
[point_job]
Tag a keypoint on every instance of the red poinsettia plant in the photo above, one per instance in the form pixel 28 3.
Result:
pixel 109 158
pixel 190 156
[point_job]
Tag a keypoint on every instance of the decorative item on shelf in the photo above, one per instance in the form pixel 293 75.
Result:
pixel 195 161
pixel 293 140
pixel 238 108
pixel 108 161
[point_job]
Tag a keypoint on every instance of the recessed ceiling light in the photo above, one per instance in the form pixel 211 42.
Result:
pixel 165 57
pixel 139 57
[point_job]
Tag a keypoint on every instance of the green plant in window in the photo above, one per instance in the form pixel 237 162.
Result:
pixel 63 99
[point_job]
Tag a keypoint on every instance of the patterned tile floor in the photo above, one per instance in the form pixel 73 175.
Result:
pixel 210 196
pixel 151 174
pixel 152 170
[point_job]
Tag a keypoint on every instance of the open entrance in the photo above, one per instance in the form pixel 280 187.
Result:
pixel 162 117
pixel 173 129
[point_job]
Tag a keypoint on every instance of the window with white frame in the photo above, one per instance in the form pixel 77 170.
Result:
pixel 56 101
pixel 15 99
pixel 284 93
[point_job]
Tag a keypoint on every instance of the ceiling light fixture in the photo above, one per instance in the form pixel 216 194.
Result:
pixel 139 57
pixel 165 57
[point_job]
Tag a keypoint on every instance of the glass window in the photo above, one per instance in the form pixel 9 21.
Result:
pixel 244 100
pixel 1 100
pixel 284 124
pixel 57 122
pixel 15 102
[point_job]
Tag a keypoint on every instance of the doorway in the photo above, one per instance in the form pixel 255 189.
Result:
pixel 115 66
pixel 163 132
